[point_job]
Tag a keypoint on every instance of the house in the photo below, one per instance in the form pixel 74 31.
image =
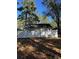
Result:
pixel 38 30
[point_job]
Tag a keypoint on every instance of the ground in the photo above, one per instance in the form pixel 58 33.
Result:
pixel 41 48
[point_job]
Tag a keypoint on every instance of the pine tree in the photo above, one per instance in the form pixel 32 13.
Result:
pixel 28 12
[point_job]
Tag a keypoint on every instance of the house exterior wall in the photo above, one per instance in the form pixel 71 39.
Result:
pixel 44 33
pixel 38 33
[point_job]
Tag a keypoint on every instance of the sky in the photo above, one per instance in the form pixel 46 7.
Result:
pixel 18 7
pixel 40 7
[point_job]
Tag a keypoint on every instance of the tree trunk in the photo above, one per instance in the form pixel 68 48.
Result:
pixel 59 27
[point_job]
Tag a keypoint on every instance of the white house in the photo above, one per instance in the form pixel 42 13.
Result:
pixel 38 30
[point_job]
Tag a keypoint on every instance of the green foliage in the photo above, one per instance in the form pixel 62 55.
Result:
pixel 33 17
pixel 28 8
pixel 53 24
pixel 43 19
pixel 20 24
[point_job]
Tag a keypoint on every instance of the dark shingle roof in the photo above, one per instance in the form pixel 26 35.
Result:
pixel 38 26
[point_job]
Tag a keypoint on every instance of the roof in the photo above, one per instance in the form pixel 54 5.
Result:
pixel 40 25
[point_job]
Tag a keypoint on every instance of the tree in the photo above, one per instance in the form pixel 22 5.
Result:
pixel 29 9
pixel 20 24
pixel 28 12
pixel 54 10
pixel 43 19
pixel 53 24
